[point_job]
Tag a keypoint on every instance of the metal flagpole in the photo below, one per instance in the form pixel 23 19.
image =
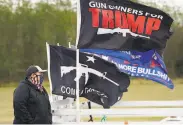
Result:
pixel 49 76
pixel 77 63
pixel 69 44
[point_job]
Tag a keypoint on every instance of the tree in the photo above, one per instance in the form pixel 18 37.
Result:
pixel 25 31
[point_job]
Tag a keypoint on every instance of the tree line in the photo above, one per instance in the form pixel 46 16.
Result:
pixel 26 27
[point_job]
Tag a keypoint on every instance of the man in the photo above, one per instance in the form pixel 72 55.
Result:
pixel 30 101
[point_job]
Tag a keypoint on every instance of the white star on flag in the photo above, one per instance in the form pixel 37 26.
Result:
pixel 91 58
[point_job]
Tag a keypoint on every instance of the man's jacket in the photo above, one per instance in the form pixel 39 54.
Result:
pixel 31 106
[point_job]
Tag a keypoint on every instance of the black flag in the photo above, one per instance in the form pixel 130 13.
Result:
pixel 122 25
pixel 110 93
pixel 100 81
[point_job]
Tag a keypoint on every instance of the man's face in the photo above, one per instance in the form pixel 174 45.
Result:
pixel 36 77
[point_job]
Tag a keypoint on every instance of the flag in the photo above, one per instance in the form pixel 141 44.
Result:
pixel 122 25
pixel 100 81
pixel 110 93
pixel 147 65
pixel 62 72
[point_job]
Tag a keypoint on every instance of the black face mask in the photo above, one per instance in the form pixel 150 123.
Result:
pixel 41 78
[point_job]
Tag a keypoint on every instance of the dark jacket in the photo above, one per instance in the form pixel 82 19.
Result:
pixel 31 106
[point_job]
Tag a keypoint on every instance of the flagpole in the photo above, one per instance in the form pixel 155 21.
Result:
pixel 69 44
pixel 49 76
pixel 77 63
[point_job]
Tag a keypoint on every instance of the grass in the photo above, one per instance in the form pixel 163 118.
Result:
pixel 138 90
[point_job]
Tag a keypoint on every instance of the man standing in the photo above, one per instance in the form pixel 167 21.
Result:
pixel 30 101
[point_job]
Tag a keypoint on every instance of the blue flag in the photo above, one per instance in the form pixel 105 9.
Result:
pixel 147 65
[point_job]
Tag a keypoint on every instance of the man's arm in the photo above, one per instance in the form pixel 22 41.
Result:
pixel 20 98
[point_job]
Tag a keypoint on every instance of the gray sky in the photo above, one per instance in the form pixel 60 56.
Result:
pixel 172 3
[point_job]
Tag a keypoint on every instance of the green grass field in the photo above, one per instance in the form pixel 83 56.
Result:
pixel 138 90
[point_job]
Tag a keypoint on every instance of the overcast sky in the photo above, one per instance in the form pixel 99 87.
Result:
pixel 177 3
pixel 172 3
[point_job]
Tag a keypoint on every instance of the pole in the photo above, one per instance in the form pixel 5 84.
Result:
pixel 69 44
pixel 77 63
pixel 49 76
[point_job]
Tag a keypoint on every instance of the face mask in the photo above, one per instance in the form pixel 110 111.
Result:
pixel 41 79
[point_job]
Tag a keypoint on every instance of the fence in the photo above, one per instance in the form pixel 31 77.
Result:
pixel 65 111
